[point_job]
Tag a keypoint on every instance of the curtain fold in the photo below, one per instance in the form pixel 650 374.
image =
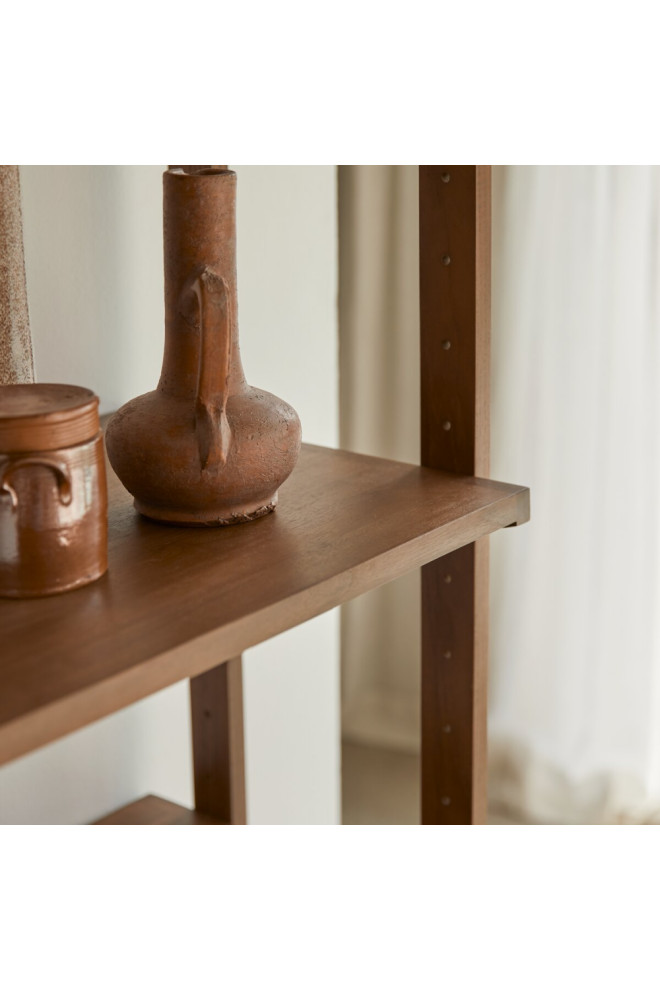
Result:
pixel 379 414
pixel 575 708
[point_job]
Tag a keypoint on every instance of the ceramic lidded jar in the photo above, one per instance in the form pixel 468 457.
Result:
pixel 205 448
pixel 53 493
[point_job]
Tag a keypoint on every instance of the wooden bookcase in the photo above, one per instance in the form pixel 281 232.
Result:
pixel 181 603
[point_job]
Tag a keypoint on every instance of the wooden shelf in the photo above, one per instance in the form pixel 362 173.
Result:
pixel 152 810
pixel 176 602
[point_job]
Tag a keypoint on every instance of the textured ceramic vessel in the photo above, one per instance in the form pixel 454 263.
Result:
pixel 53 494
pixel 205 448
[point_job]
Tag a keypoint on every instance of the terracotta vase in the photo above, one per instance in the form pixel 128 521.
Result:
pixel 206 448
pixel 53 495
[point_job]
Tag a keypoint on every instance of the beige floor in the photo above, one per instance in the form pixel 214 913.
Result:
pixel 381 787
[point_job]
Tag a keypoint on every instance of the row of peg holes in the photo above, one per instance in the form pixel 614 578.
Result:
pixel 446 260
pixel 446 345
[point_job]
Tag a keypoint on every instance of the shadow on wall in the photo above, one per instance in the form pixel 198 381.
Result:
pixel 93 257
pixel 379 409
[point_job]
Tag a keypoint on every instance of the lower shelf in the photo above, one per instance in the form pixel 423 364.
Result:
pixel 152 810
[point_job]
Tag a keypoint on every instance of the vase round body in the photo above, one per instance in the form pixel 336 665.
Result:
pixel 205 448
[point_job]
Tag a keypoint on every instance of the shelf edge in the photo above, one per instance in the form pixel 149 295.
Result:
pixel 196 656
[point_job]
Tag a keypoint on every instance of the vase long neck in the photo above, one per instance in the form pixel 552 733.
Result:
pixel 199 227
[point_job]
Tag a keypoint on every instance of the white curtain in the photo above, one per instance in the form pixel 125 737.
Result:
pixel 575 652
pixel 575 713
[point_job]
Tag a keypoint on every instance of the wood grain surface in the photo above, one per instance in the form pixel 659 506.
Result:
pixel 176 602
pixel 455 227
pixel 455 252
pixel 455 687
pixel 153 810
pixel 216 703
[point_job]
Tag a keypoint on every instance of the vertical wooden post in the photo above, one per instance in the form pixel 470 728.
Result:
pixel 455 235
pixel 216 699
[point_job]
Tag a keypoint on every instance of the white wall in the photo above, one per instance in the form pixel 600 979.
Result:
pixel 379 374
pixel 287 285
pixel 93 246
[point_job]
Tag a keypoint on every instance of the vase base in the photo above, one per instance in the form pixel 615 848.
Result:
pixel 182 517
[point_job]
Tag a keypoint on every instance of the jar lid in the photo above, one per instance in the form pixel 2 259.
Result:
pixel 46 417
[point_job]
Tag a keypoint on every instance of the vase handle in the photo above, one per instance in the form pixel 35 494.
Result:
pixel 211 423
pixel 60 470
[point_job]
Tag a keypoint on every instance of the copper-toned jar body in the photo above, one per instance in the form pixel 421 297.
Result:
pixel 205 448
pixel 53 492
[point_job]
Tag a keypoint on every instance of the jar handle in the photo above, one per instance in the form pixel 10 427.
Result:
pixel 211 424
pixel 60 470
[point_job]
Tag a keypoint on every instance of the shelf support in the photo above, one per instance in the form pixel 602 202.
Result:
pixel 455 238
pixel 216 700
